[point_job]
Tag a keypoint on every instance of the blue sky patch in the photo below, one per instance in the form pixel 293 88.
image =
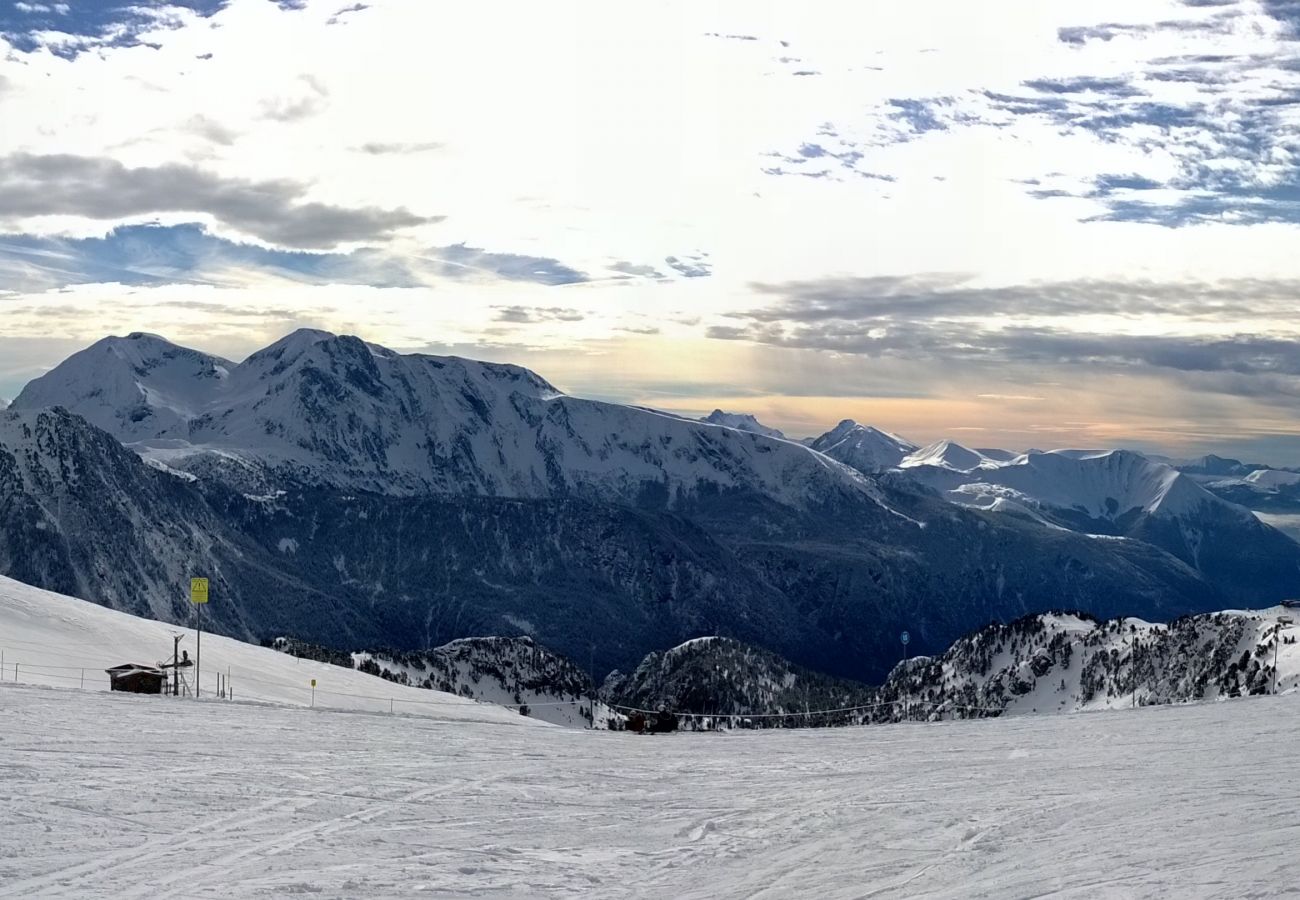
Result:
pixel 462 260
pixel 189 254
pixel 90 24
pixel 919 114
pixel 176 254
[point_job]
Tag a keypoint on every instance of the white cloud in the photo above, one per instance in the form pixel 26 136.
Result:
pixel 611 139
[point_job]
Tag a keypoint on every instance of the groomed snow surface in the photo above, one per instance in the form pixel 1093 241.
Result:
pixel 111 795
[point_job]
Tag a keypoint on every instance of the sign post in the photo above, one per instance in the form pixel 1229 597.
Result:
pixel 313 693
pixel 907 704
pixel 198 597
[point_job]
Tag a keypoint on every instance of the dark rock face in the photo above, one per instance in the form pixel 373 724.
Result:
pixel 725 678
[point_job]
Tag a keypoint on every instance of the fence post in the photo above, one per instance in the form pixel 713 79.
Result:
pixel 390 706
pixel 83 679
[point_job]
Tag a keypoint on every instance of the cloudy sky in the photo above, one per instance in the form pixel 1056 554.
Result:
pixel 1013 224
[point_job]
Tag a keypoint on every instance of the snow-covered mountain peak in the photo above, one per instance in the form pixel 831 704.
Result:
pixel 863 447
pixel 947 455
pixel 147 352
pixel 133 387
pixel 1272 478
pixel 299 338
pixel 840 430
pixel 279 355
pixel 1080 454
pixel 742 422
pixel 364 366
pixel 1105 484
pixel 142 337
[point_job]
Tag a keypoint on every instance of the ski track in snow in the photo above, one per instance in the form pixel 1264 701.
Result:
pixel 108 795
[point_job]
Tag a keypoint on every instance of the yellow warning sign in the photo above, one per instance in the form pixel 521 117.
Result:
pixel 198 590
pixel 313 682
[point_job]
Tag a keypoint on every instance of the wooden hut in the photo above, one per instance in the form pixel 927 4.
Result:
pixel 135 678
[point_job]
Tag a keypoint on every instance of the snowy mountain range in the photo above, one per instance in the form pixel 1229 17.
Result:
pixel 1089 489
pixel 1258 487
pixel 1104 494
pixel 357 497
pixel 324 409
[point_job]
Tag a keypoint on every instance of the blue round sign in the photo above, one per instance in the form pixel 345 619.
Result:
pixel 906 637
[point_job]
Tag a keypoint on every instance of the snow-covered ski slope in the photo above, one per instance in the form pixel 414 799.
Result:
pixel 112 795
pixel 53 640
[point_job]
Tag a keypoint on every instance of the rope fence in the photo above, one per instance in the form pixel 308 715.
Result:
pixel 13 668
pixel 20 669
pixel 734 718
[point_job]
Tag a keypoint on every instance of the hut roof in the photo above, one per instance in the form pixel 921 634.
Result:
pixel 126 668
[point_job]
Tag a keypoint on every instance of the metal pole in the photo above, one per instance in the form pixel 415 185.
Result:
pixel 591 700
pixel 83 679
pixel 1277 639
pixel 198 646
pixel 907 701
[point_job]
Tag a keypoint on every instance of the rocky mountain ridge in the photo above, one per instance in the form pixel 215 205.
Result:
pixel 617 527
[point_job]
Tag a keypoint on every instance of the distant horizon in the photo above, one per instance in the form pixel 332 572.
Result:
pixel 791 432
pixel 1063 225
